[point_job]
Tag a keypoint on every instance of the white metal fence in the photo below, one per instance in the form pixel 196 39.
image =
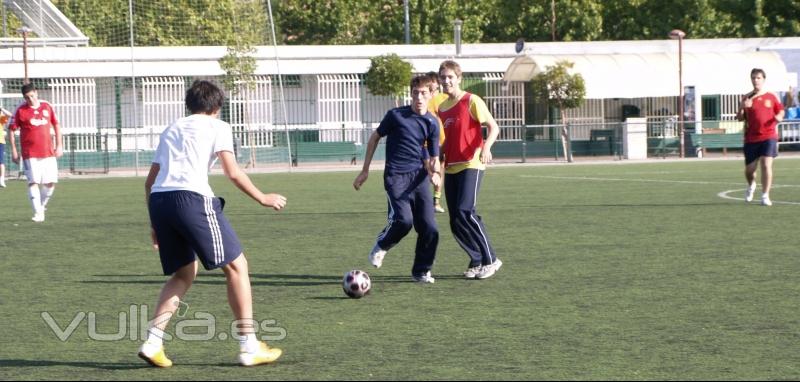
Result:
pixel 75 103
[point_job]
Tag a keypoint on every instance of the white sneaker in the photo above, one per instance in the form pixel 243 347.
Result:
pixel 438 208
pixel 3 183
pixel 765 201
pixel 376 256
pixel 489 270
pixel 470 273
pixel 748 194
pixel 38 217
pixel 425 278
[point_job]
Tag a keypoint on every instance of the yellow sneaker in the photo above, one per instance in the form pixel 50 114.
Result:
pixel 157 359
pixel 265 354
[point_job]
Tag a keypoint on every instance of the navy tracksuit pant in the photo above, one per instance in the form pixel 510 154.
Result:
pixel 411 204
pixel 461 191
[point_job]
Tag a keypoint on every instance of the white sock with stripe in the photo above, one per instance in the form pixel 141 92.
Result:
pixel 35 194
pixel 46 193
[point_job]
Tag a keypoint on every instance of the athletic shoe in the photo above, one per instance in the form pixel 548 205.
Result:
pixel 748 194
pixel 765 201
pixel 157 357
pixel 376 256
pixel 424 278
pixel 263 355
pixel 438 208
pixel 38 217
pixel 489 270
pixel 3 183
pixel 470 273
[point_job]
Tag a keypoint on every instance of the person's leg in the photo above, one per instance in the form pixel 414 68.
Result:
pixel 2 164
pixel 46 193
pixel 35 196
pixel 171 294
pixel 169 300
pixel 766 179
pixel 427 231
pixel 460 207
pixel 240 298
pixel 751 165
pixel 399 216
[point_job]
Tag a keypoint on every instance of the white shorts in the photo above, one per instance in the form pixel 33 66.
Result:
pixel 41 170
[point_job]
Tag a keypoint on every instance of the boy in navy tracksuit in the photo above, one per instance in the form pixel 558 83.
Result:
pixel 412 161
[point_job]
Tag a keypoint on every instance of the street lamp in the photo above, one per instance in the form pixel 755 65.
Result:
pixel 679 34
pixel 457 35
pixel 25 30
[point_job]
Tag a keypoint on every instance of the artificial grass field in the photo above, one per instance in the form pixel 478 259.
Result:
pixel 611 271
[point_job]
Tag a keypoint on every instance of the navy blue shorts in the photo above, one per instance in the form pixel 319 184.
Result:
pixel 753 151
pixel 190 225
pixel 2 152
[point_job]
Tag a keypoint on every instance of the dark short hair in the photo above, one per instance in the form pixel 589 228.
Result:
pixel 204 97
pixel 422 80
pixel 434 76
pixel 27 88
pixel 757 70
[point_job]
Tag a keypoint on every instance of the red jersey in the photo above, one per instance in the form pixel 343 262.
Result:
pixel 464 135
pixel 760 118
pixel 34 126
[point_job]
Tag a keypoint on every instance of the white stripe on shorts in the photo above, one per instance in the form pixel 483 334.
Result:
pixel 213 226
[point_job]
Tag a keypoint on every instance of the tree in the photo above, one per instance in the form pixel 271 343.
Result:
pixel 240 65
pixel 388 75
pixel 558 88
pixel 165 23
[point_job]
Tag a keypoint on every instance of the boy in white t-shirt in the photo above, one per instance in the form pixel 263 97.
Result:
pixel 188 223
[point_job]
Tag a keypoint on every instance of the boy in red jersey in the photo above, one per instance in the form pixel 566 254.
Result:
pixel 34 119
pixel 466 155
pixel 761 111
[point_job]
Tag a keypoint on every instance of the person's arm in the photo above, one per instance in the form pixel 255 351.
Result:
pixel 491 137
pixel 240 179
pixel 372 144
pixel 148 187
pixel 432 163
pixel 12 142
pixel 746 102
pixel 59 149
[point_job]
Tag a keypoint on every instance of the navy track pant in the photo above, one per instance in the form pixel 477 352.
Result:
pixel 411 205
pixel 461 191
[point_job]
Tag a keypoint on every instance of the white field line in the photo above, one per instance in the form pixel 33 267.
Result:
pixel 723 194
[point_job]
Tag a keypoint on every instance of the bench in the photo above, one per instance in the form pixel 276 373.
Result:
pixel 717 139
pixel 316 151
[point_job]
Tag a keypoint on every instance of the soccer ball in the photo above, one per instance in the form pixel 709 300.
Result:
pixel 356 283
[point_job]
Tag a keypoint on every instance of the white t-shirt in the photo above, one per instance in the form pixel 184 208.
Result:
pixel 186 151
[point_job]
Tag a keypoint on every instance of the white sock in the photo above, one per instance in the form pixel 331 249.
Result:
pixel 752 186
pixel 36 201
pixel 765 195
pixel 46 193
pixel 250 343
pixel 155 336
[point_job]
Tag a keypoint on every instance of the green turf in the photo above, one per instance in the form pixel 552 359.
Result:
pixel 613 271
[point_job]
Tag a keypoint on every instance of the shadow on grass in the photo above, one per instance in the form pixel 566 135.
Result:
pixel 11 363
pixel 258 279
pixel 7 363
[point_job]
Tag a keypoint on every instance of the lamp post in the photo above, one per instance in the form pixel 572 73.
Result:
pixel 25 30
pixel 407 22
pixel 457 35
pixel 679 34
